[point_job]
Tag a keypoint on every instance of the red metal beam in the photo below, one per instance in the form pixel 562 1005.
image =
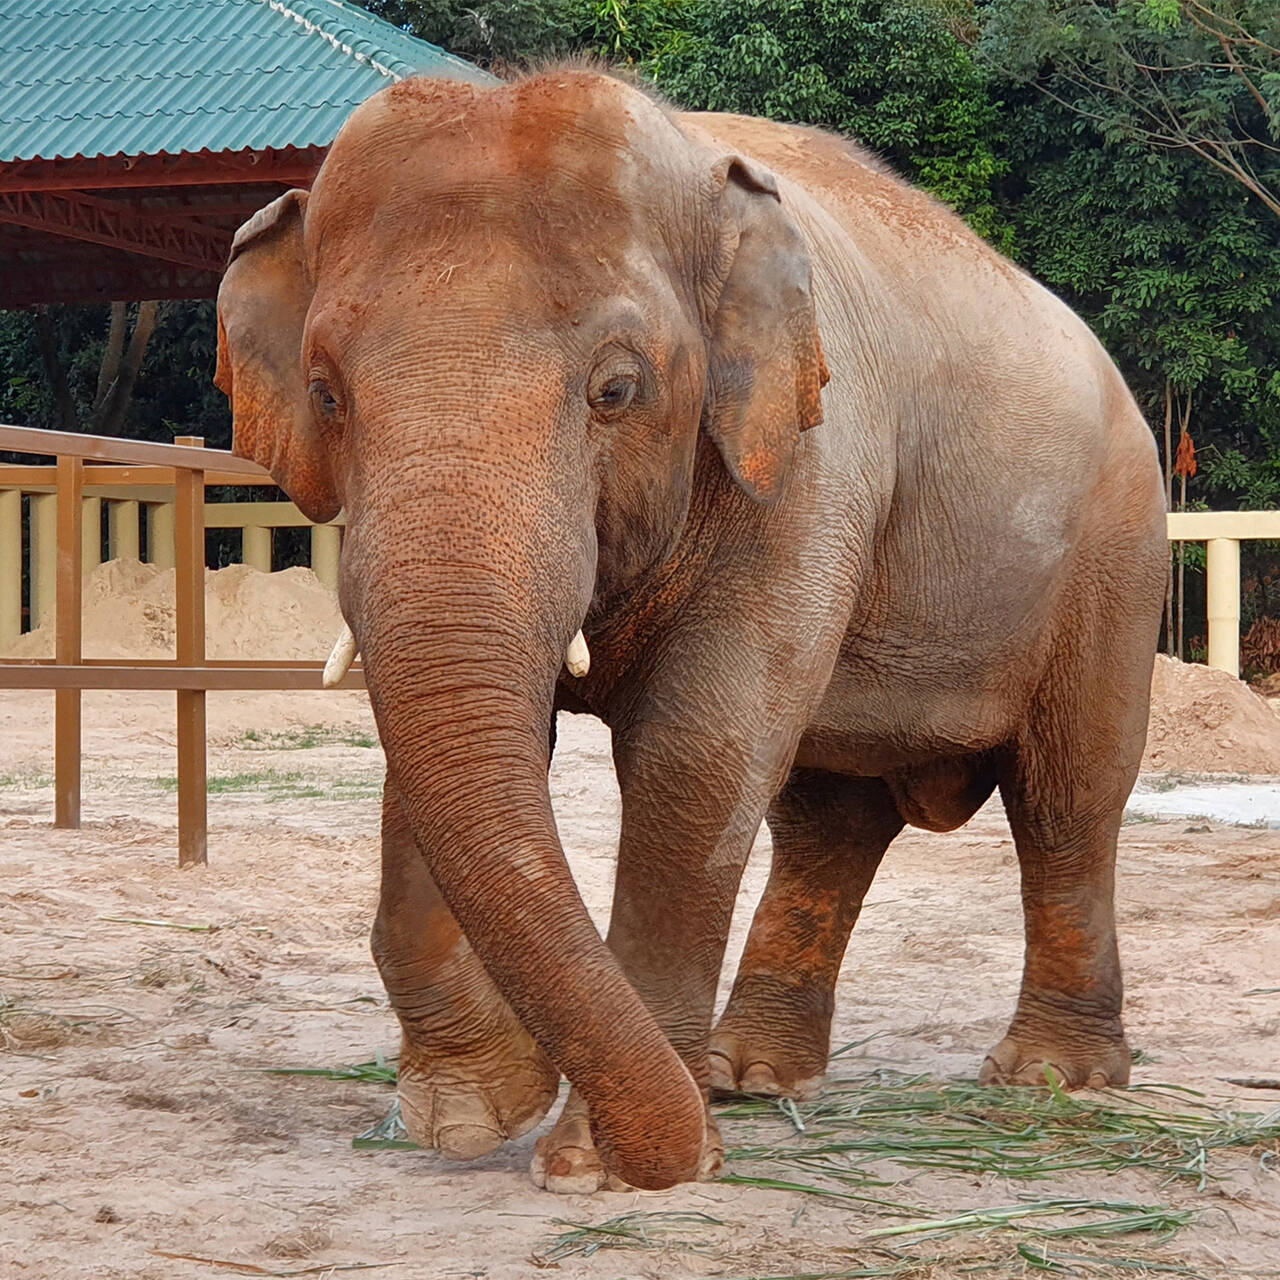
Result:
pixel 290 167
pixel 81 285
pixel 74 216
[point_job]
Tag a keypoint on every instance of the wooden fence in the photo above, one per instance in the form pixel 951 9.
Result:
pixel 1222 533
pixel 122 472
pixel 170 480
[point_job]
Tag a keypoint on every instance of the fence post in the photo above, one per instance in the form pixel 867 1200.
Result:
pixel 66 732
pixel 10 566
pixel 43 557
pixel 193 800
pixel 326 546
pixel 122 531
pixel 256 547
pixel 160 531
pixel 91 531
pixel 1222 596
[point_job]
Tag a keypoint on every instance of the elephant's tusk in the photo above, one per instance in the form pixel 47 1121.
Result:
pixel 340 660
pixel 577 657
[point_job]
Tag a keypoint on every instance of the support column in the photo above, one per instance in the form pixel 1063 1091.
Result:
pixel 160 526
pixel 70 573
pixel 122 531
pixel 1222 592
pixel 91 531
pixel 10 566
pixel 193 800
pixel 326 547
pixel 256 547
pixel 44 557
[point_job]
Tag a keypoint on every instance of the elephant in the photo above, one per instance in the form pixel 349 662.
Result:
pixel 848 520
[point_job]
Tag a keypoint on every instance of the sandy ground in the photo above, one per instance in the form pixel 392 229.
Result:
pixel 138 1118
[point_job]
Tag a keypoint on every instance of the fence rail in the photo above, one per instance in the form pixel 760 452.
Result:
pixel 169 481
pixel 177 475
pixel 1222 532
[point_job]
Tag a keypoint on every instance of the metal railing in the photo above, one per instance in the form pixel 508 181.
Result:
pixel 185 467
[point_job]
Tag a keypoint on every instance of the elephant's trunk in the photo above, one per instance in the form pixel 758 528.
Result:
pixel 461 658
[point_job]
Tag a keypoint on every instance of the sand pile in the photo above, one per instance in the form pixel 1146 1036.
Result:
pixel 129 613
pixel 1205 721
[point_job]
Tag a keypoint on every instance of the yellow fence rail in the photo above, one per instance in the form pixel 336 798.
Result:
pixel 177 476
pixel 1222 533
pixel 125 492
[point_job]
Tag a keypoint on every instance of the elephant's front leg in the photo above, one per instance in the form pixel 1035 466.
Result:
pixel 470 1075
pixel 691 807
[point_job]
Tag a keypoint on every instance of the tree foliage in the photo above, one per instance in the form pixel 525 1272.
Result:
pixel 894 74
pixel 1172 259
pixel 1200 77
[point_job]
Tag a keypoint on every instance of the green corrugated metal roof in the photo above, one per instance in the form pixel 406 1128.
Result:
pixel 152 77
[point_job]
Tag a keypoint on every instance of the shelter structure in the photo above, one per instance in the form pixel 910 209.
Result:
pixel 136 135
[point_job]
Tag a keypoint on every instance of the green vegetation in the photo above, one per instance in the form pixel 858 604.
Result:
pixel 861 1144
pixel 305 739
pixel 275 785
pixel 1127 154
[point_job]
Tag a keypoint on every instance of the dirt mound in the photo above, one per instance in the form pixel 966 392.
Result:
pixel 129 613
pixel 1206 721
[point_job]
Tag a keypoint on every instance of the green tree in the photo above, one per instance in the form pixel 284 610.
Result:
pixel 1199 77
pixel 895 75
pixel 141 371
pixel 1170 256
pixel 488 32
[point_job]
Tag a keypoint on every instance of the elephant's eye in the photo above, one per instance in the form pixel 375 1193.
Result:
pixel 323 398
pixel 614 393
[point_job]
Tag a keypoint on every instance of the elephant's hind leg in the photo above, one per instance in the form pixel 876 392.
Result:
pixel 829 834
pixel 1064 786
pixel 470 1075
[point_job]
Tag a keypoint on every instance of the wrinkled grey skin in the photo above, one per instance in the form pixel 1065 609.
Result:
pixel 560 356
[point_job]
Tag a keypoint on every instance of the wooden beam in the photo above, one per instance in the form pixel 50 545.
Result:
pixel 66 733
pixel 193 801
pixel 110 449
pixel 10 566
pixel 1222 603
pixel 123 531
pixel 1200 526
pixel 166 677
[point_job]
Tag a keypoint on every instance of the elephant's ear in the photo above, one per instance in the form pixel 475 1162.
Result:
pixel 765 372
pixel 262 311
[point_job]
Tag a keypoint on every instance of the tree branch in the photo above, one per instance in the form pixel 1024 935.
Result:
pixel 47 341
pixel 117 401
pixel 110 364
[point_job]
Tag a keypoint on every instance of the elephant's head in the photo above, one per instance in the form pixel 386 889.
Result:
pixel 493 332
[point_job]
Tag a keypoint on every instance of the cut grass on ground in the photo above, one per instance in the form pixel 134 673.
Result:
pixel 275 785
pixel 304 739
pixel 859 1142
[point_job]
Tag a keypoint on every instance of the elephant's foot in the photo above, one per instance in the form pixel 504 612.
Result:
pixel 1082 1053
pixel 468 1105
pixel 771 1040
pixel 565 1160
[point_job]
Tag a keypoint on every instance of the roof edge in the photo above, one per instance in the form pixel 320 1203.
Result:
pixel 385 64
